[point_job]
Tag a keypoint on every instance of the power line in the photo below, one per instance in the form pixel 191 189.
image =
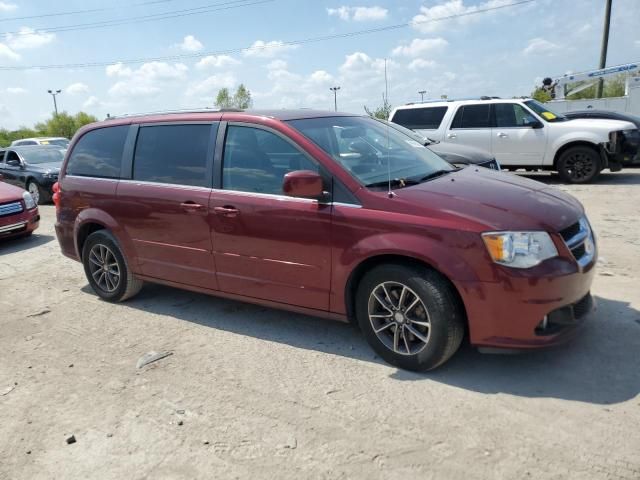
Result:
pixel 267 46
pixel 213 7
pixel 76 12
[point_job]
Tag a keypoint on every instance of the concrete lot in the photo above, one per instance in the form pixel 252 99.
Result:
pixel 251 392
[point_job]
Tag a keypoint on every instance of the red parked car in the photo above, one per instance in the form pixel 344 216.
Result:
pixel 18 212
pixel 297 210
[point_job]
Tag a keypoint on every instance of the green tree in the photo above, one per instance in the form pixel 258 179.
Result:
pixel 242 98
pixel 541 95
pixel 382 112
pixel 61 125
pixel 223 100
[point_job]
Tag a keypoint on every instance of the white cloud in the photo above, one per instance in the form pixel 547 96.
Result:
pixel 359 14
pixel 6 52
pixel 277 65
pixel 435 18
pixel 210 85
pixel 637 42
pixel 16 90
pixel 320 77
pixel 420 63
pixel 27 38
pixel 420 46
pixel 150 78
pixel 76 88
pixel 216 61
pixel 541 46
pixel 7 7
pixel 92 102
pixel 190 44
pixel 268 49
pixel 359 64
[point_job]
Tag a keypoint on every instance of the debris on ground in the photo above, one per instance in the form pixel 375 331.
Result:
pixel 180 423
pixel 180 412
pixel 71 439
pixel 7 390
pixel 151 357
pixel 292 444
pixel 40 313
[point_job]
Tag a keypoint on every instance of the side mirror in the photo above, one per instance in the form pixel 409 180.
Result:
pixel 534 124
pixel 303 184
pixel 14 163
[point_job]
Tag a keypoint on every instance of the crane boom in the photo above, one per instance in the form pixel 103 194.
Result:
pixel 561 82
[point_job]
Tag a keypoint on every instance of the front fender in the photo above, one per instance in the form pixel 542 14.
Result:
pixel 594 139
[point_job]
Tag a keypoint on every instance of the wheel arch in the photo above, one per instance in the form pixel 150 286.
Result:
pixel 577 143
pixel 370 263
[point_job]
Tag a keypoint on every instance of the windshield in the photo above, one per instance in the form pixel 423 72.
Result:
pixel 407 131
pixel 34 155
pixel 61 142
pixel 544 112
pixel 370 150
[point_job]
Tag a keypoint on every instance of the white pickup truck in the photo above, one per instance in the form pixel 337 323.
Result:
pixel 522 133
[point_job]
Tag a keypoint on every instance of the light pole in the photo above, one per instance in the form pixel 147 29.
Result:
pixel 335 96
pixel 422 93
pixel 605 46
pixel 55 104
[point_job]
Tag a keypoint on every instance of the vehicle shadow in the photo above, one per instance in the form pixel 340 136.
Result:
pixel 625 177
pixel 14 245
pixel 600 366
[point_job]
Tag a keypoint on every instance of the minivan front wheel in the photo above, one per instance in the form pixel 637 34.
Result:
pixel 410 316
pixel 106 269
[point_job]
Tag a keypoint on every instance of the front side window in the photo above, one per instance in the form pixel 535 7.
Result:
pixel 174 154
pixel 512 115
pixel 256 160
pixel 373 152
pixel 544 112
pixel 99 153
pixel 473 116
pixel 426 118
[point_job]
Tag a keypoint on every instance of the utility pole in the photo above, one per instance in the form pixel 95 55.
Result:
pixel 335 96
pixel 605 46
pixel 55 104
pixel 422 93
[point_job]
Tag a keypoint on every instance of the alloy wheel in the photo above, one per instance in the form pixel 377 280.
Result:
pixel 104 268
pixel 580 166
pixel 34 191
pixel 399 318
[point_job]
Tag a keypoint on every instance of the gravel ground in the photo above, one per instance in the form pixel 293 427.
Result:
pixel 251 392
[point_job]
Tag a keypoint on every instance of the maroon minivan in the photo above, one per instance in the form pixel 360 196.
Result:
pixel 327 214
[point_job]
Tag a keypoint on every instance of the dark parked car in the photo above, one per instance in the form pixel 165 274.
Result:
pixel 34 168
pixel 280 208
pixel 458 155
pixel 631 138
pixel 18 212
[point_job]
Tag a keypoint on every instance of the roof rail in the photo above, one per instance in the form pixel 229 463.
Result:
pixel 170 112
pixel 483 97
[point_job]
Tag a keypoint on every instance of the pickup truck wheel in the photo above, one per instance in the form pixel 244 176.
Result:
pixel 410 316
pixel 579 165
pixel 106 268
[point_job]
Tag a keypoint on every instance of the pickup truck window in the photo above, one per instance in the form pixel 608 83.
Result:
pixel 473 116
pixel 427 118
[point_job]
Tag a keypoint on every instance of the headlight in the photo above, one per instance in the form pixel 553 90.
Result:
pixel 519 249
pixel 50 175
pixel 28 200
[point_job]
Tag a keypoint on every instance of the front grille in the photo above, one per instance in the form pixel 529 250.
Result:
pixel 579 239
pixel 583 306
pixel 10 208
pixel 561 318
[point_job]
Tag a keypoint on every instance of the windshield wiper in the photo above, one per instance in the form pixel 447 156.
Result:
pixel 398 182
pixel 437 173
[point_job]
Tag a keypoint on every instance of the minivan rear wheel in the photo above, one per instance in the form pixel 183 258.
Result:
pixel 410 316
pixel 106 268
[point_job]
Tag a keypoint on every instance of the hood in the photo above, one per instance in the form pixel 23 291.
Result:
pixel 9 193
pixel 45 167
pixel 603 124
pixel 489 200
pixel 454 153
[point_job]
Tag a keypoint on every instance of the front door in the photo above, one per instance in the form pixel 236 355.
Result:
pixel 514 140
pixel 268 245
pixel 13 170
pixel 164 207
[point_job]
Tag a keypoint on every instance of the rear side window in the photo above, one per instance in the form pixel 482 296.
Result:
pixel 473 116
pixel 99 153
pixel 420 118
pixel 175 154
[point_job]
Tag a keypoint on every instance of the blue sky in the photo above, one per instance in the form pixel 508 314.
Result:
pixel 503 52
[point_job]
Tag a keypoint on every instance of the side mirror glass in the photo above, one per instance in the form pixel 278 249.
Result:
pixel 13 162
pixel 303 184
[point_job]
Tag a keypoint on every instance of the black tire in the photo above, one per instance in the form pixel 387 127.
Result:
pixel 439 307
pixel 102 247
pixel 579 165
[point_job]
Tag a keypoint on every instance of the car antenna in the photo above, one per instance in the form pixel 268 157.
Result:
pixel 385 99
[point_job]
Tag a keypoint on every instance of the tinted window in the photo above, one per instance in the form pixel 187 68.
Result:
pixel 512 115
pixel 476 116
pixel 257 160
pixel 99 153
pixel 175 154
pixel 1 157
pixel 420 118
pixel 26 142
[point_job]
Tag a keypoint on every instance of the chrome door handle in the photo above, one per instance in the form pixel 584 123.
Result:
pixel 452 135
pixel 502 135
pixel 191 206
pixel 227 211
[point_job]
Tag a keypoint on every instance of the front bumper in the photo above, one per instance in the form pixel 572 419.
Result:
pixel 623 148
pixel 19 224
